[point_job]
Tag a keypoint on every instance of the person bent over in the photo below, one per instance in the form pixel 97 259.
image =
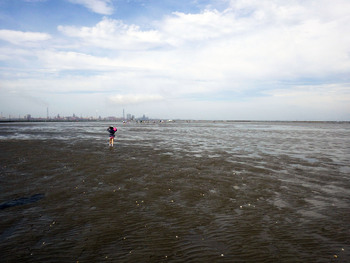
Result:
pixel 111 131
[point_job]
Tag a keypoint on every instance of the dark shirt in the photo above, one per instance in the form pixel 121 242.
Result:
pixel 111 132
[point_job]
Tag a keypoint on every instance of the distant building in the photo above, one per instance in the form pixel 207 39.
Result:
pixel 130 117
pixel 111 118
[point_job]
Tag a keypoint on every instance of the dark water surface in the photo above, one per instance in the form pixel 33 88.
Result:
pixel 175 192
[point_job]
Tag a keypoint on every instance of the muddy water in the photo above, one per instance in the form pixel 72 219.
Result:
pixel 175 192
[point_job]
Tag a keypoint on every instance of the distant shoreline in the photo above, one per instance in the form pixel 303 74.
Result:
pixel 166 121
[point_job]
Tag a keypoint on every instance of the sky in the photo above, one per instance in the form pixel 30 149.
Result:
pixel 176 59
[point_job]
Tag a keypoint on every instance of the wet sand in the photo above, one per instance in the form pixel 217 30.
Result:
pixel 177 193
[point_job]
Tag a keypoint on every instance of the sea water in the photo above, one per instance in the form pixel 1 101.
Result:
pixel 175 192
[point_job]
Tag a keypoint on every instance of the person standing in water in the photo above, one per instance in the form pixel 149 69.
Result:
pixel 111 131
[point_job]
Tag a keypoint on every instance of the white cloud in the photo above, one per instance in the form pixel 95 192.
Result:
pixel 266 42
pixel 251 48
pixel 134 99
pixel 104 7
pixel 250 40
pixel 19 37
pixel 74 61
pixel 113 34
pixel 321 94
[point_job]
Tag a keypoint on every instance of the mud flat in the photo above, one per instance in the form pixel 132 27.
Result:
pixel 175 192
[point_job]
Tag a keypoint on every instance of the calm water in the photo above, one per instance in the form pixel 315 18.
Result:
pixel 175 192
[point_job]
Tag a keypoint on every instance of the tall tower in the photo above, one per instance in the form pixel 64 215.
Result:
pixel 123 114
pixel 47 113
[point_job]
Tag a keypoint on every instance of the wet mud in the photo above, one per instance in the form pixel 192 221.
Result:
pixel 181 192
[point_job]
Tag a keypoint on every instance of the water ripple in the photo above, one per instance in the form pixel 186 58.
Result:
pixel 179 192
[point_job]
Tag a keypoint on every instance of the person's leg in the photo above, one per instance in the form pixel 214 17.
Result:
pixel 110 141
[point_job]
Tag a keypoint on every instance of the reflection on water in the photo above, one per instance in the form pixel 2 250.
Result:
pixel 176 192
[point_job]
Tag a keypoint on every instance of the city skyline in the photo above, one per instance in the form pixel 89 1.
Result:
pixel 203 59
pixel 127 116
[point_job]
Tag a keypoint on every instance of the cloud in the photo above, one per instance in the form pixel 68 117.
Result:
pixel 262 40
pixel 251 55
pixel 19 37
pixel 314 95
pixel 134 99
pixel 249 40
pixel 113 34
pixel 104 7
pixel 70 60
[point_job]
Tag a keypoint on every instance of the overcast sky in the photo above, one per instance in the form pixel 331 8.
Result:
pixel 169 59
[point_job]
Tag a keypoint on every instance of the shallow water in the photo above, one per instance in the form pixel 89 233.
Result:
pixel 176 192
